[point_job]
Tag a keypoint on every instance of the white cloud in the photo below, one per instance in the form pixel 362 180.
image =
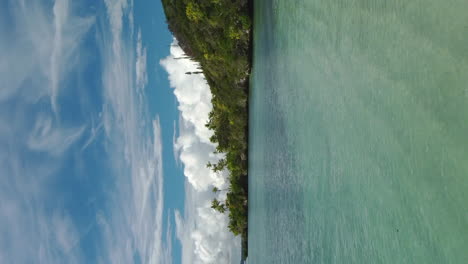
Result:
pixel 192 92
pixel 194 155
pixel 175 149
pixel 203 232
pixel 193 144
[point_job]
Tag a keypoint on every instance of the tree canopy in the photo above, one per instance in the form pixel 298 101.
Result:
pixel 217 34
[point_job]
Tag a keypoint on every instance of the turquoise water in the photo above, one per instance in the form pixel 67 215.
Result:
pixel 359 132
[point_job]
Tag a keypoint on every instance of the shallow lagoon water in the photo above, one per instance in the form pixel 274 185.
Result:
pixel 359 132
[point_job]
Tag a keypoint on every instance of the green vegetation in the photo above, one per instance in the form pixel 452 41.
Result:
pixel 217 34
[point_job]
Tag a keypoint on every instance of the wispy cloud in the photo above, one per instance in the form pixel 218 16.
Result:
pixel 202 231
pixel 40 54
pixel 35 227
pixel 46 136
pixel 67 33
pixel 140 64
pixel 45 48
pixel 95 130
pixel 133 225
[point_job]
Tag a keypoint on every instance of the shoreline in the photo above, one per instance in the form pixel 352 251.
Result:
pixel 219 36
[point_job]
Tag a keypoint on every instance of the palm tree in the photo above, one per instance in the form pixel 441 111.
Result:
pixel 218 206
pixel 216 190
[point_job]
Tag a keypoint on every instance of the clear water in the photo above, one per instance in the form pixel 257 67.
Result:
pixel 359 132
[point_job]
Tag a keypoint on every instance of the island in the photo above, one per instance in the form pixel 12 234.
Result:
pixel 218 35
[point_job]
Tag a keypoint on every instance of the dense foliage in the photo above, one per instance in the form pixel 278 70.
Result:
pixel 217 33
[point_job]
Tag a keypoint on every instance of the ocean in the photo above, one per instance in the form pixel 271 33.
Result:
pixel 358 141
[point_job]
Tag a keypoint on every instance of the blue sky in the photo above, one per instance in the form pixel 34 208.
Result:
pixel 102 139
